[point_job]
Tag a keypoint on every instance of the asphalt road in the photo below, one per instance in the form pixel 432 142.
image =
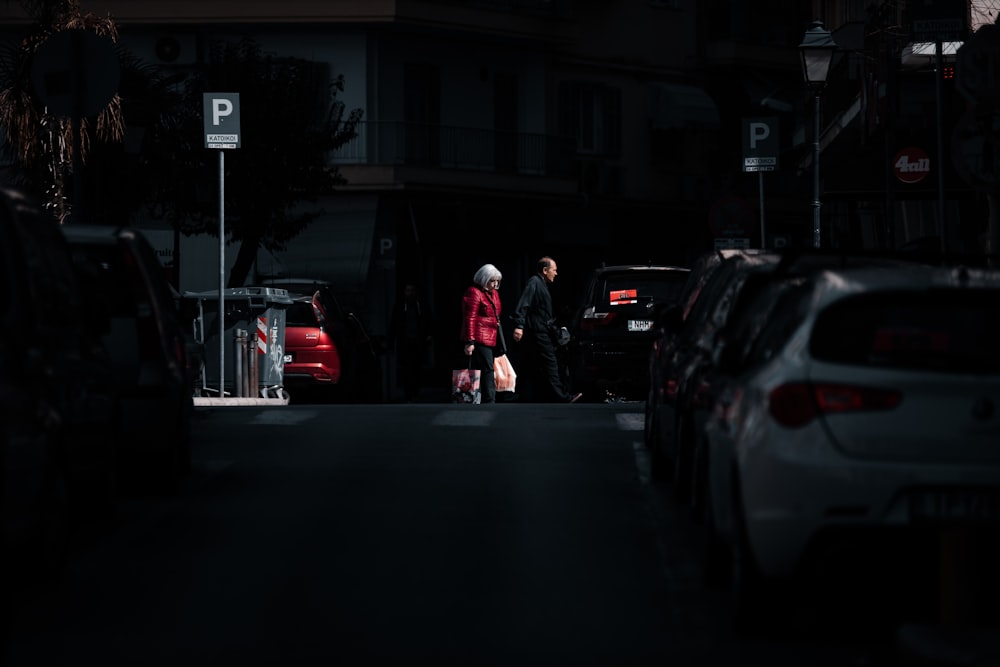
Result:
pixel 423 534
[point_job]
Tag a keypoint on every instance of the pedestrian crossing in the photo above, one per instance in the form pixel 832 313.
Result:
pixel 630 421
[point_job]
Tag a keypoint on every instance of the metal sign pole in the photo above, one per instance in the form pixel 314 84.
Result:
pixel 938 75
pixel 222 131
pixel 760 187
pixel 222 273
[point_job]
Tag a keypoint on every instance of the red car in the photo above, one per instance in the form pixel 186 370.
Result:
pixel 340 335
pixel 312 358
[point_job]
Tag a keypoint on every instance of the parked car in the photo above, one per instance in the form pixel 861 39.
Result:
pixel 612 329
pixel 148 348
pixel 359 353
pixel 195 355
pixel 704 304
pixel 741 312
pixel 312 359
pixel 860 424
pixel 667 323
pixel 58 411
pixel 731 314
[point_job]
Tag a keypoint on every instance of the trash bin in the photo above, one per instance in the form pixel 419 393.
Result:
pixel 253 341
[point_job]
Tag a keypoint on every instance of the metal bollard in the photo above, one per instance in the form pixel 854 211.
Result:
pixel 252 366
pixel 247 351
pixel 239 349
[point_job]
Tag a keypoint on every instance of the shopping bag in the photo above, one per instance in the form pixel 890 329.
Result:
pixel 465 385
pixel 504 373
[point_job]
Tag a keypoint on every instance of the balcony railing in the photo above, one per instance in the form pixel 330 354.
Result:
pixel 418 144
pixel 536 7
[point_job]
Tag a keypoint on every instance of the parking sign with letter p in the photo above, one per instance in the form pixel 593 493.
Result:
pixel 760 144
pixel 222 120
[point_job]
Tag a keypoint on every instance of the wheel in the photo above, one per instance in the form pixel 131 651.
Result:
pixel 50 536
pixel 716 556
pixel 658 463
pixel 166 469
pixel 699 481
pixel 753 603
pixel 681 473
pixel 647 429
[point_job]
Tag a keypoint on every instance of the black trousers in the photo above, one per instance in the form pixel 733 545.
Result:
pixel 540 368
pixel 482 358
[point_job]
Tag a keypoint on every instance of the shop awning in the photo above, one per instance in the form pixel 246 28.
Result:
pixel 680 105
pixel 336 247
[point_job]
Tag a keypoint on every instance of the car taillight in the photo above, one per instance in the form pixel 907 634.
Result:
pixel 593 319
pixel 702 395
pixel 798 403
pixel 318 310
pixel 671 388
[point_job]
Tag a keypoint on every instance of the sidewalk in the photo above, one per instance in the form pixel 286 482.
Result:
pixel 232 401
pixel 944 646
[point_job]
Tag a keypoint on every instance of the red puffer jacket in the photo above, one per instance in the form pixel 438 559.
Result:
pixel 478 320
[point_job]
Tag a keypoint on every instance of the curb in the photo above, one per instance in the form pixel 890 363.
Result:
pixel 234 402
pixel 943 646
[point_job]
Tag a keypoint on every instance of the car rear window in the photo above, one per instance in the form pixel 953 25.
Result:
pixel 937 330
pixel 300 314
pixel 625 289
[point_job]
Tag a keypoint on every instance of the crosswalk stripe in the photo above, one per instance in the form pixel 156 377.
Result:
pixel 464 418
pixel 630 421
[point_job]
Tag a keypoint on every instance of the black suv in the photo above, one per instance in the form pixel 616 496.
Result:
pixel 613 329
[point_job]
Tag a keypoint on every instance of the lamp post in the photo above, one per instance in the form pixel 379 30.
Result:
pixel 816 52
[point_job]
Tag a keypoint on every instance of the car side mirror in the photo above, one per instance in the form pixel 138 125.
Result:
pixel 669 318
pixel 726 357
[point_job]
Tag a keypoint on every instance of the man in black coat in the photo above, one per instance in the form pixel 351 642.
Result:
pixel 534 328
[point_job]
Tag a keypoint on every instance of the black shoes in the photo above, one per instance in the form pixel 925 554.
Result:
pixel 575 397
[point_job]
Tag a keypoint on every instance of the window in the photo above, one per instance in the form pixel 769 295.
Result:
pixel 643 288
pixel 591 112
pixel 937 330
pixel 422 107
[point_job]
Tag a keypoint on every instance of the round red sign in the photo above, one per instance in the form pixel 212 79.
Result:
pixel 911 165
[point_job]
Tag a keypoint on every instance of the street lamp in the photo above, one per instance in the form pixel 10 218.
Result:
pixel 816 52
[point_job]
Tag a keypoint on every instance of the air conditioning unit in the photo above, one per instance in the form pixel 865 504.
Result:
pixel 175 50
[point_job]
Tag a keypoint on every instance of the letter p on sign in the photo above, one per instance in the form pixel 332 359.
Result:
pixel 758 133
pixel 220 108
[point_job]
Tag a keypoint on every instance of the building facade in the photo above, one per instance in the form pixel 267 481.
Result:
pixel 591 130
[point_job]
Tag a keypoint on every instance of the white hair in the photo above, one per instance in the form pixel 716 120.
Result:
pixel 485 274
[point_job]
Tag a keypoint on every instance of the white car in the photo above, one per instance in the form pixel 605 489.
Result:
pixel 867 406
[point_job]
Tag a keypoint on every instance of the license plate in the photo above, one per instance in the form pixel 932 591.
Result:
pixel 956 505
pixel 640 325
pixel 288 358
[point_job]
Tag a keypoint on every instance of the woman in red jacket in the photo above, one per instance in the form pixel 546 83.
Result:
pixel 480 326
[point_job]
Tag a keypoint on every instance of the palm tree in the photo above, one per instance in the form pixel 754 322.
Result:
pixel 49 148
pixel 290 116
